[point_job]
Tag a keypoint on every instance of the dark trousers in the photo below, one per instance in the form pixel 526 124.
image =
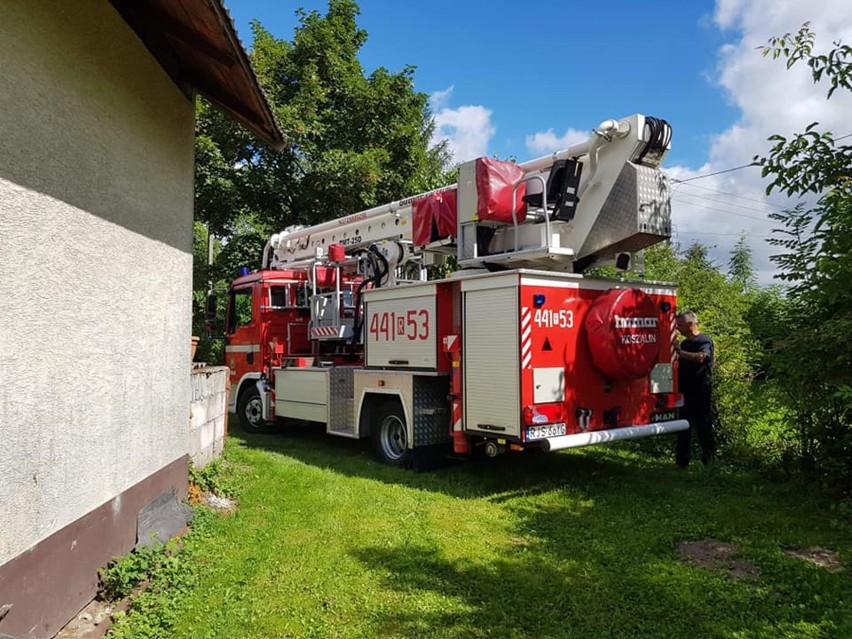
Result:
pixel 696 411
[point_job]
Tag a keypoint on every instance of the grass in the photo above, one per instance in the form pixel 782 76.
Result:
pixel 328 543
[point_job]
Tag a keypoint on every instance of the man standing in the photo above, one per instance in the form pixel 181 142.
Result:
pixel 695 376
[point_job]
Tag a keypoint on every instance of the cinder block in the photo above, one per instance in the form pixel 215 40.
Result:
pixel 207 435
pixel 197 385
pixel 202 458
pixel 221 404
pixel 219 428
pixel 210 407
pixel 198 415
pixel 196 442
pixel 216 384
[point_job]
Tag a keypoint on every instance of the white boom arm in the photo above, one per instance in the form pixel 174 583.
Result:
pixel 356 232
pixel 620 153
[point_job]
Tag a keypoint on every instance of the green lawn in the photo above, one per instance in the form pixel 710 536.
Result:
pixel 328 543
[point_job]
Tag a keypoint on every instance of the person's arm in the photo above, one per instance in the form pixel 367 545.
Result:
pixel 698 357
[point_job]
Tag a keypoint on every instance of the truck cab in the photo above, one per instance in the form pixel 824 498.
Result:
pixel 263 308
pixel 268 324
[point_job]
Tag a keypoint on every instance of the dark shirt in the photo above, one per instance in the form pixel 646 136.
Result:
pixel 695 377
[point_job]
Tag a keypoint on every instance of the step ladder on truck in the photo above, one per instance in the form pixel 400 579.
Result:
pixel 516 349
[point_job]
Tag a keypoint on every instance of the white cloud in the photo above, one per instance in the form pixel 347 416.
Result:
pixel 771 99
pixel 716 210
pixel 548 141
pixel 439 99
pixel 467 129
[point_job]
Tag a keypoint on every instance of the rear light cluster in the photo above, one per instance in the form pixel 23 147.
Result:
pixel 537 414
pixel 669 401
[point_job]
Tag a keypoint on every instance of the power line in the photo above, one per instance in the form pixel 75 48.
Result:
pixel 739 197
pixel 737 168
pixel 706 175
pixel 720 210
pixel 714 233
pixel 718 201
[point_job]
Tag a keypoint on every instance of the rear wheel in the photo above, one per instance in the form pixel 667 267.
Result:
pixel 390 436
pixel 250 411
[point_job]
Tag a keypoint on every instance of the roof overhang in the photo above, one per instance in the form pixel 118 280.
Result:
pixel 196 42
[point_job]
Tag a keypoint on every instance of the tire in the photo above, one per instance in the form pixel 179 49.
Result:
pixel 250 411
pixel 390 436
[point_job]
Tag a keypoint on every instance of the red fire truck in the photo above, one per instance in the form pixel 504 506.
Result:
pixel 516 349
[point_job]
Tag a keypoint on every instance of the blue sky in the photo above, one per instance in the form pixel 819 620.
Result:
pixel 559 65
pixel 523 79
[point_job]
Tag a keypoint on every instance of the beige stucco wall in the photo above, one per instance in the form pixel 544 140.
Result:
pixel 96 168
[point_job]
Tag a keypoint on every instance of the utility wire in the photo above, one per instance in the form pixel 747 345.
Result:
pixel 679 183
pixel 706 175
pixel 720 210
pixel 739 197
pixel 722 202
pixel 726 234
pixel 677 231
pixel 737 168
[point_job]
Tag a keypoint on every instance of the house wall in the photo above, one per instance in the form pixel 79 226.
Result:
pixel 96 198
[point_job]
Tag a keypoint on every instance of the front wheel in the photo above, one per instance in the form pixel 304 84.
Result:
pixel 250 411
pixel 390 437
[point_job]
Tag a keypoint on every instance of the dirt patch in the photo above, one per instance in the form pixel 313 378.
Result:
pixel 825 559
pixel 93 621
pixel 236 465
pixel 220 504
pixel 713 554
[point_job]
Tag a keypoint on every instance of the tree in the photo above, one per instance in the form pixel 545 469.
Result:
pixel 814 362
pixel 721 306
pixel 354 141
pixel 660 262
pixel 740 266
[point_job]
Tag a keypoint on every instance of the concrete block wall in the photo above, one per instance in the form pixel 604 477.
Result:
pixel 208 413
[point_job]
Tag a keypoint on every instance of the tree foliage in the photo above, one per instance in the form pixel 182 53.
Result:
pixel 354 140
pixel 741 266
pixel 813 360
pixel 721 306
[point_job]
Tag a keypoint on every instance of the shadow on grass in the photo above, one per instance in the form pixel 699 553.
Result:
pixel 498 479
pixel 591 549
pixel 535 595
pixel 625 493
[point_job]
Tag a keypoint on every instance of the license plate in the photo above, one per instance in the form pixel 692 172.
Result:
pixel 542 432
pixel 665 416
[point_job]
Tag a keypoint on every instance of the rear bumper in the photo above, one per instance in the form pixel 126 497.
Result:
pixel 578 440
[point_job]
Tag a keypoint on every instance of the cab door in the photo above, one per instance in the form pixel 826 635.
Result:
pixel 242 334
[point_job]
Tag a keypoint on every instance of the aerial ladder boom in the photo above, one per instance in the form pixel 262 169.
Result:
pixel 591 203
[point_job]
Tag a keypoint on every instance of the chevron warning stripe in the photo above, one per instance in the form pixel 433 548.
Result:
pixel 526 337
pixel 324 331
pixel 673 327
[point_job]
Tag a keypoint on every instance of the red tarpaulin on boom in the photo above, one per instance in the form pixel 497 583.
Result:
pixel 434 217
pixel 494 182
